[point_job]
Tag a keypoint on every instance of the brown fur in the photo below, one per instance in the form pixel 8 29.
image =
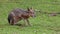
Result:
pixel 19 14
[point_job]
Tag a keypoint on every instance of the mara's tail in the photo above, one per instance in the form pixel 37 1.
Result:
pixel 9 18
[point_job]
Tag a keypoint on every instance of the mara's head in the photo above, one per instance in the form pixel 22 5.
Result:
pixel 31 12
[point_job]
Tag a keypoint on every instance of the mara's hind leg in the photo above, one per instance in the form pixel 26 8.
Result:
pixel 11 22
pixel 14 21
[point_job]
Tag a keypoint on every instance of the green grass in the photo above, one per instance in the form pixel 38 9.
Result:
pixel 42 24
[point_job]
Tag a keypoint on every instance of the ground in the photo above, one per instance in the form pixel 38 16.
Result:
pixel 42 24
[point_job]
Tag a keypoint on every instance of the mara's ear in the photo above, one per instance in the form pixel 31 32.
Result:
pixel 28 9
pixel 31 8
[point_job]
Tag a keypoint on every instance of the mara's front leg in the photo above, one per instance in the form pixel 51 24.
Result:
pixel 28 22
